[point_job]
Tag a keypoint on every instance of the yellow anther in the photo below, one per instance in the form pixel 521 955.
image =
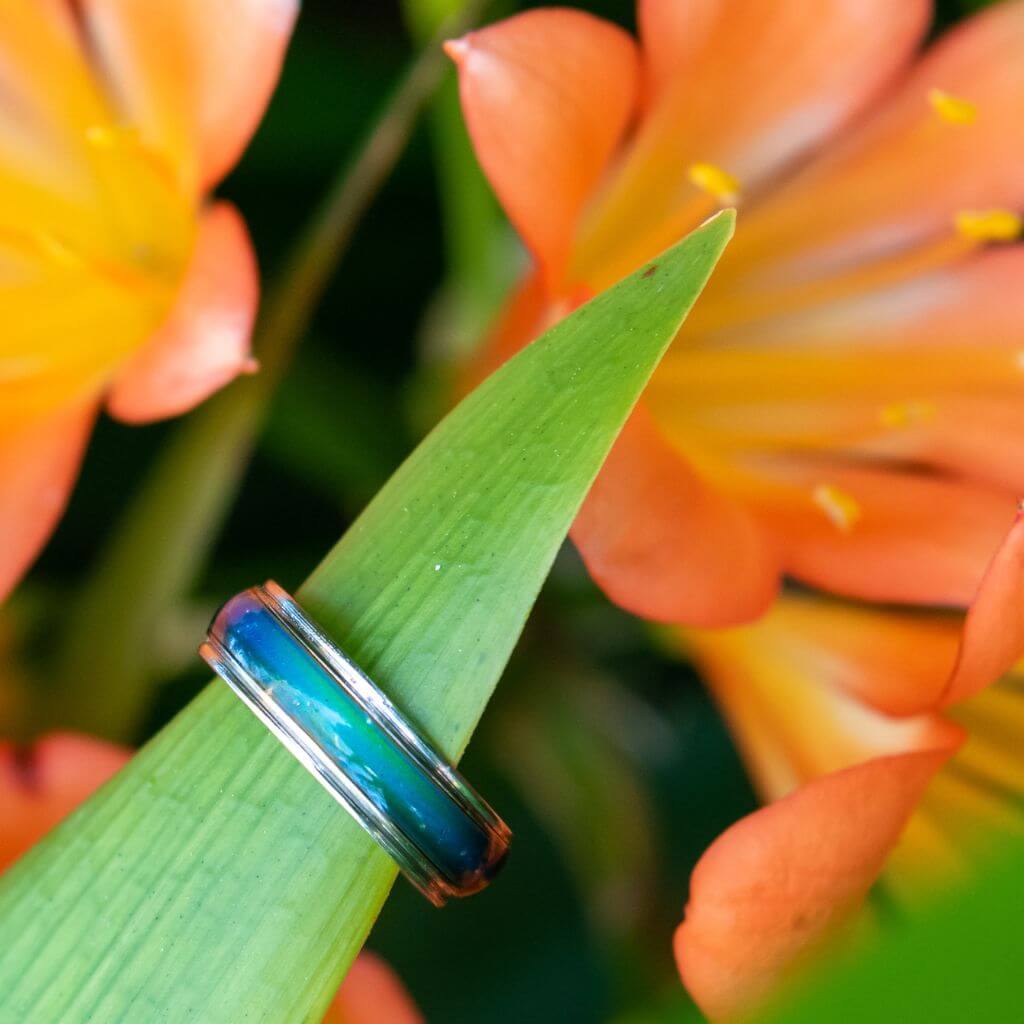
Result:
pixel 841 508
pixel 989 225
pixel 721 184
pixel 906 414
pixel 952 108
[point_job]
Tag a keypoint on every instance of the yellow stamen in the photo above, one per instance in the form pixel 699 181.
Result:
pixel 841 508
pixel 952 109
pixel 712 179
pixel 906 414
pixel 989 225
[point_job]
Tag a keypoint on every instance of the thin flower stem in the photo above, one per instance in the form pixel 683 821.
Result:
pixel 478 268
pixel 103 680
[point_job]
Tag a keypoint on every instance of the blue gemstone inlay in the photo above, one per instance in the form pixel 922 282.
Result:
pixel 397 786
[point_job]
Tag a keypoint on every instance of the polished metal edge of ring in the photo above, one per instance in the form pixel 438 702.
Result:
pixel 427 876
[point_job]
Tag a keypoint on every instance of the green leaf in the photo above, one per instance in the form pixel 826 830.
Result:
pixel 956 961
pixel 213 879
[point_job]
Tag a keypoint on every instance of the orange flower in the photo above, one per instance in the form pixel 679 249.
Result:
pixel 120 282
pixel 836 708
pixel 41 784
pixel 843 405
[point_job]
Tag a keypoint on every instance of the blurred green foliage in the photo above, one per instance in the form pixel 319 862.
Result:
pixel 356 400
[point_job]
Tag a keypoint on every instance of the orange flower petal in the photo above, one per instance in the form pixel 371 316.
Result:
pixel 858 400
pixel 900 180
pixel 41 785
pixel 910 538
pixel 372 994
pixel 547 95
pixel 978 438
pixel 788 81
pixel 747 93
pixel 981 438
pixel 807 692
pixel 787 876
pixel 994 631
pixel 195 76
pixel 901 663
pixel 906 305
pixel 898 662
pixel 672 35
pixel 49 92
pixel 664 545
pixel 38 465
pixel 204 343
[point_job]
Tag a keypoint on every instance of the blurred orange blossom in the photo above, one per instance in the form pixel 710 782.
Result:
pixel 842 408
pixel 843 404
pixel 42 784
pixel 121 283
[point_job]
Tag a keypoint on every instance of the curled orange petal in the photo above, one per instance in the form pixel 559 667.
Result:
pixel 663 544
pixel 993 639
pixel 783 879
pixel 546 95
pixel 204 343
